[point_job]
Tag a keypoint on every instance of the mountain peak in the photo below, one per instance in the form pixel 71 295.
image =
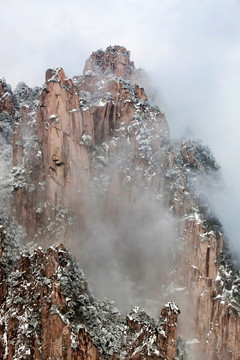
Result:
pixel 94 167
pixel 115 59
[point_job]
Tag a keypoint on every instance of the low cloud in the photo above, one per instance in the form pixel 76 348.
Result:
pixel 128 256
pixel 190 50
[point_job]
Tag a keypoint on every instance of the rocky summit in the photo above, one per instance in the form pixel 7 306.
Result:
pixel 89 177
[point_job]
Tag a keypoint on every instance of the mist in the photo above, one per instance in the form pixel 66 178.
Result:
pixel 128 255
pixel 190 49
pixel 191 53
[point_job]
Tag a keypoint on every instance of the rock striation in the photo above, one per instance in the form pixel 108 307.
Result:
pixel 72 117
pixel 115 60
pixel 89 148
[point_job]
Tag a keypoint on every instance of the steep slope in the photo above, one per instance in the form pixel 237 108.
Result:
pixel 92 156
pixel 48 312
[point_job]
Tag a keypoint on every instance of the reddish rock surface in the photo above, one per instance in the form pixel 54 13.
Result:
pixel 6 98
pixel 216 318
pixel 94 141
pixel 66 131
pixel 115 60
pixel 206 277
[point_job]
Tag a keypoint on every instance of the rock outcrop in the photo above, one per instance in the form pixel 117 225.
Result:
pixel 89 148
pixel 72 117
pixel 114 60
pixel 6 98
pixel 48 312
pixel 213 289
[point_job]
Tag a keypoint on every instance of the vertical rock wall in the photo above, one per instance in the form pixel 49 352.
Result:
pixel 98 134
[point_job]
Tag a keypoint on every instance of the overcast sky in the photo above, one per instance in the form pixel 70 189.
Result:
pixel 190 48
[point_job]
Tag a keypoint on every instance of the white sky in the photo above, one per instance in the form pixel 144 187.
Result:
pixel 190 48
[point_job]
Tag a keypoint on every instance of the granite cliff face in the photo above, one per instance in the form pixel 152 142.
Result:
pixel 89 148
